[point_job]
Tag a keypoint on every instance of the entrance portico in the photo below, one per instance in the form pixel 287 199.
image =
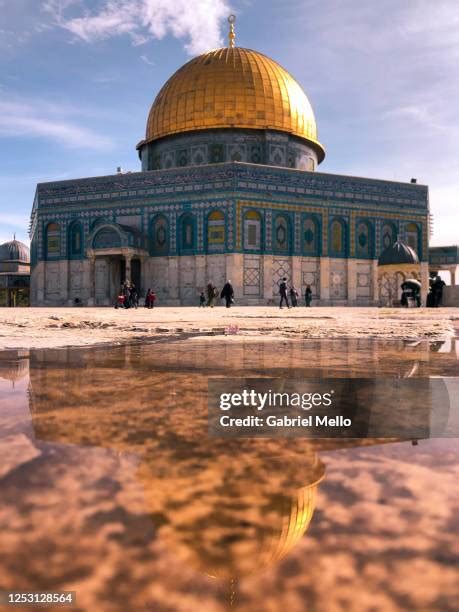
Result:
pixel 116 255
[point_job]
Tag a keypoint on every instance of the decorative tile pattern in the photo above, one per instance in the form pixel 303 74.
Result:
pixel 281 268
pixel 253 278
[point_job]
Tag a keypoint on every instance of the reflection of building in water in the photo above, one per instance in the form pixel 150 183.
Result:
pixel 224 516
pixel 231 520
pixel 14 365
pixel 354 357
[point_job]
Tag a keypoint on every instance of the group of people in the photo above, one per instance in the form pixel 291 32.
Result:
pixel 208 297
pixel 411 293
pixel 128 296
pixel 435 295
pixel 284 292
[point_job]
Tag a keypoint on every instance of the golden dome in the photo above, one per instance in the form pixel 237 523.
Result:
pixel 232 88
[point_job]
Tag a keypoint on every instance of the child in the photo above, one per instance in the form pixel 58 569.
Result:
pixel 202 300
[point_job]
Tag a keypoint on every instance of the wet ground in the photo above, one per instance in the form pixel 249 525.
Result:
pixel 59 327
pixel 110 486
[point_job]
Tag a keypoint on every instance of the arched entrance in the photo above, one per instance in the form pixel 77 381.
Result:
pixel 116 254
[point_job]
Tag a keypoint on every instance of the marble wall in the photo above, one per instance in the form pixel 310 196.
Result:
pixel 179 280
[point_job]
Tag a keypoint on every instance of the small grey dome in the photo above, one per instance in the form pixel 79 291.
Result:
pixel 398 253
pixel 14 251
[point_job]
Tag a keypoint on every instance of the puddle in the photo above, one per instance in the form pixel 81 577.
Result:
pixel 109 485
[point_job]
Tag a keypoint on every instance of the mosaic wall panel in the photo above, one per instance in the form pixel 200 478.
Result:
pixel 101 278
pixel 134 221
pixel 76 275
pixel 253 277
pixel 187 279
pixel 216 270
pixel 310 275
pixel 277 155
pixel 157 278
pixel 282 267
pixel 338 279
pixel 52 278
pixel 364 284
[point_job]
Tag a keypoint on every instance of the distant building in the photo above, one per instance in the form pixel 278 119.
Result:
pixel 14 274
pixel 228 189
pixel 396 264
pixel 446 259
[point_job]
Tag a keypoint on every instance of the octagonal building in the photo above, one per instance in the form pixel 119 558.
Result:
pixel 228 189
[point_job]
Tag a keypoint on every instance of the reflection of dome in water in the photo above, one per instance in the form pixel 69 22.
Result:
pixel 14 371
pixel 241 523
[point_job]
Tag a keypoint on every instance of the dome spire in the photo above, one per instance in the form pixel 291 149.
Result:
pixel 231 33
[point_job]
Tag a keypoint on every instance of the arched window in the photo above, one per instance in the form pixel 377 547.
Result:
pixel 364 240
pixel 252 230
pixel 281 236
pixel 216 231
pixel 106 238
pixel 338 238
pixel 187 234
pixel 310 236
pixel 388 236
pixel 53 240
pixel 412 236
pixel 98 221
pixel 159 236
pixel 75 240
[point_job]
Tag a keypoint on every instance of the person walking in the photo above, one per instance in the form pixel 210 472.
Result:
pixel 202 300
pixel 210 294
pixel 119 303
pixel 127 294
pixel 283 293
pixel 133 296
pixel 294 296
pixel 148 299
pixel 308 295
pixel 227 293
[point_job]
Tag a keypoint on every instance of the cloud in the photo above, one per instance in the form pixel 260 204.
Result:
pixel 196 22
pixel 146 59
pixel 47 120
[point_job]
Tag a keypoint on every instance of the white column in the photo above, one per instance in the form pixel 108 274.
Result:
pixel 324 278
pixel 267 263
pixel 92 280
pixel 375 297
pixel 296 274
pixel 424 282
pixel 173 271
pixel 235 272
pixel 127 273
pixel 351 282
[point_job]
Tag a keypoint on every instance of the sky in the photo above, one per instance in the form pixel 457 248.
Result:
pixel 77 79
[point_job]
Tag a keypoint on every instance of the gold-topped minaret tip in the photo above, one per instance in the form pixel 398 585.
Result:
pixel 232 33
